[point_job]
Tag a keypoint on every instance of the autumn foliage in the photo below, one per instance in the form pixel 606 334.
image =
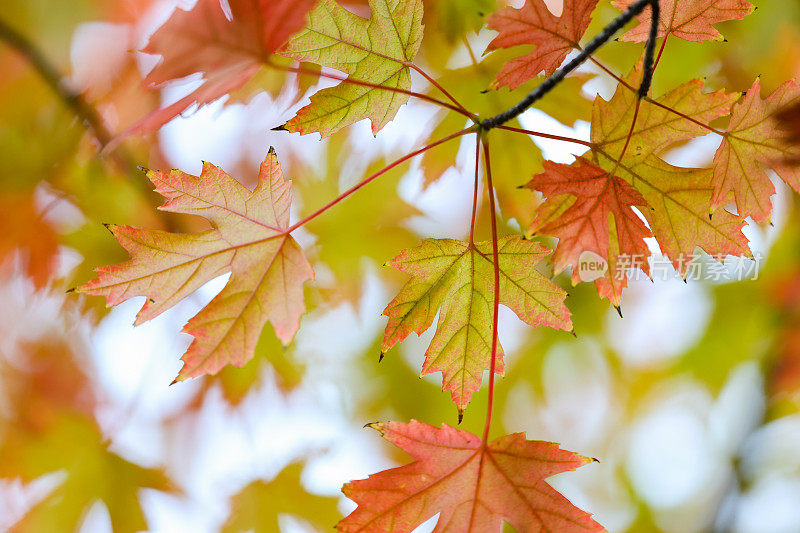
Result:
pixel 339 63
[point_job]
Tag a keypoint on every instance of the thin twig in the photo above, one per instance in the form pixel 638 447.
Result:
pixel 496 308
pixel 547 135
pixel 345 79
pixel 439 87
pixel 475 190
pixel 370 179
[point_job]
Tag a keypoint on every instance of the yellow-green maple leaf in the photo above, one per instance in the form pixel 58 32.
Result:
pixel 458 278
pixel 75 446
pixel 656 128
pixel 257 507
pixel 678 198
pixel 376 51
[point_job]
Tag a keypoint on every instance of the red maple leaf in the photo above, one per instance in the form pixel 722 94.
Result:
pixel 228 52
pixel 474 486
pixel 584 225
pixel 554 37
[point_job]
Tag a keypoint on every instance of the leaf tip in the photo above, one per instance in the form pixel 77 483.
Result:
pixel 377 426
pixel 282 127
pixel 619 310
pixel 381 356
pixel 573 333
pixel 460 416
pixel 70 291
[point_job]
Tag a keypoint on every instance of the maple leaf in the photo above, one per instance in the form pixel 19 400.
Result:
pixel 459 278
pixel 657 127
pixel 673 200
pixel 51 401
pixel 249 239
pixel 23 229
pixel 678 214
pixel 228 52
pixel 454 18
pixel 754 141
pixel 260 504
pixel 375 51
pixel 534 24
pixel 678 198
pixel 473 486
pixel 692 20
pixel 92 474
pixel 584 225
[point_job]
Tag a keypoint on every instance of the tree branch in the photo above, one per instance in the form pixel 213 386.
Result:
pixel 50 74
pixel 608 32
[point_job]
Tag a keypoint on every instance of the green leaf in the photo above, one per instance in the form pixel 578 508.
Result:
pixel 258 506
pixel 456 279
pixel 376 51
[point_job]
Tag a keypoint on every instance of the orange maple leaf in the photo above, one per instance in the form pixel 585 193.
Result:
pixel 679 198
pixel 554 37
pixel 692 20
pixel 249 239
pixel 474 486
pixel 228 52
pixel 755 141
pixel 675 200
pixel 583 202
pixel 23 230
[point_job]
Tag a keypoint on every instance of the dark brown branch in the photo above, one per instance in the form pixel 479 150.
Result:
pixel 50 74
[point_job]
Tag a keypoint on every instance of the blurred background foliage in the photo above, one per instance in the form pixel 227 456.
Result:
pixel 690 401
